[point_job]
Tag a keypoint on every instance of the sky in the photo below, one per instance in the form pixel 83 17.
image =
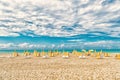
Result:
pixel 59 24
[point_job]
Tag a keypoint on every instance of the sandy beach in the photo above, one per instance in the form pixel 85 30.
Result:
pixel 57 68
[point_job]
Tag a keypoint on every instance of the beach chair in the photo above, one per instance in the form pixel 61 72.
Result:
pixel 82 56
pixel 27 57
pixel 2 56
pixel 99 56
pixel 45 57
pixel 10 56
pixel 93 55
pixel 65 55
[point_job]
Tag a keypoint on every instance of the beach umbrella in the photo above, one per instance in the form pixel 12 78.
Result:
pixel 82 56
pixel 91 50
pixel 94 54
pixel 51 54
pixel 65 55
pixel 43 53
pixel 36 54
pixel 106 55
pixel 101 51
pixel 15 54
pixel 57 52
pixel 117 56
pixel 26 53
pixel 83 50
pixel 74 52
pixel 99 56
pixel 94 51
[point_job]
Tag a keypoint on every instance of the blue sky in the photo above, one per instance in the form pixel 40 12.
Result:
pixel 53 24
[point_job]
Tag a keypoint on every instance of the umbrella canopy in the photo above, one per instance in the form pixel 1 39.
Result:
pixel 91 50
pixel 83 50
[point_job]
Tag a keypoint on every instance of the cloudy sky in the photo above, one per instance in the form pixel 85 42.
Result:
pixel 72 24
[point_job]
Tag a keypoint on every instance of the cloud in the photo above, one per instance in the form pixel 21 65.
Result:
pixel 59 18
pixel 22 46
pixel 8 45
pixel 103 44
pixel 7 33
pixel 75 40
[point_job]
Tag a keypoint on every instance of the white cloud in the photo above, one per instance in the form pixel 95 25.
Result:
pixel 27 15
pixel 75 40
pixel 8 45
pixel 103 44
pixel 22 46
pixel 7 33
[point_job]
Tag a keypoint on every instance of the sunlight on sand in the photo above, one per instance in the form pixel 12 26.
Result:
pixel 55 66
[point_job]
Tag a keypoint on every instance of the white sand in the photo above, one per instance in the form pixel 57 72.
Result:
pixel 57 68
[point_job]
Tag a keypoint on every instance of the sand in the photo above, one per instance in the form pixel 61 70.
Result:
pixel 57 68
